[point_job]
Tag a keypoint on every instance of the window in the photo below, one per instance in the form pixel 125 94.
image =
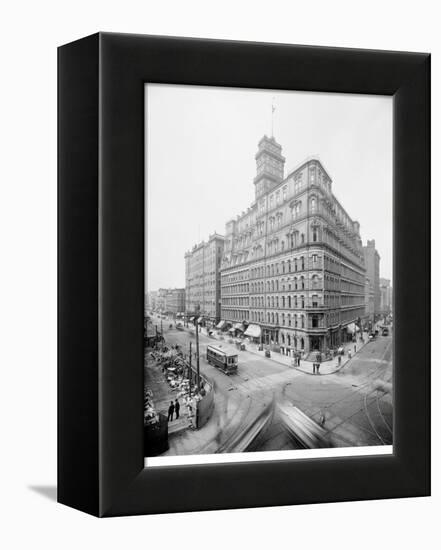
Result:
pixel 314 258
pixel 314 235
pixel 313 205
pixel 284 193
pixel 302 238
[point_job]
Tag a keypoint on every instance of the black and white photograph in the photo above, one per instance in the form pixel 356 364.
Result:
pixel 269 319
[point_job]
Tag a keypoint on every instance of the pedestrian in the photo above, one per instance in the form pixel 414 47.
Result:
pixel 171 410
pixel 318 368
pixel 339 360
pixel 349 354
pixel 314 365
pixel 177 407
pixel 355 349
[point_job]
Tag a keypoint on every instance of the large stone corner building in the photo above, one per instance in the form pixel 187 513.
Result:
pixel 292 271
pixel 202 279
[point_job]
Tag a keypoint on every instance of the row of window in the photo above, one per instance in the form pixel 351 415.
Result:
pixel 286 301
pixel 298 284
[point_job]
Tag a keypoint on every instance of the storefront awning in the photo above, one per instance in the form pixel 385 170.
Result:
pixel 191 319
pixel 221 324
pixel 253 331
pixel 199 320
pixel 351 328
pixel 238 326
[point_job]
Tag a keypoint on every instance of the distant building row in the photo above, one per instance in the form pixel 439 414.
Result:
pixel 166 300
pixel 291 269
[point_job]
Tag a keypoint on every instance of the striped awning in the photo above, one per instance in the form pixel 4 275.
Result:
pixel 253 331
pixel 221 324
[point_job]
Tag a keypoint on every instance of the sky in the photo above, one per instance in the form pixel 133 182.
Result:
pixel 200 147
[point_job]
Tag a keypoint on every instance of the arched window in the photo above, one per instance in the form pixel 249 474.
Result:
pixel 303 321
pixel 303 302
pixel 289 319
pixel 314 234
pixel 289 266
pixel 283 318
pixel 302 238
pixel 283 301
pixel 315 281
pixel 302 280
pixel 283 338
pixel 295 283
pixel 283 267
pixel 295 319
pixel 313 205
pixel 272 286
pixel 272 301
pixel 289 302
pixel 303 263
pixel 289 340
pixel 272 318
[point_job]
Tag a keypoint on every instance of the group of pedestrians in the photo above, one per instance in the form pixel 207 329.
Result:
pixel 316 364
pixel 173 408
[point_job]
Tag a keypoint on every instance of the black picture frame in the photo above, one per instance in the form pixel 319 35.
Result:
pixel 101 82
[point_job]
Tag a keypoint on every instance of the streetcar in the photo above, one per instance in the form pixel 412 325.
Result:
pixel 223 358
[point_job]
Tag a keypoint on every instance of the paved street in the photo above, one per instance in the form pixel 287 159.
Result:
pixel 351 404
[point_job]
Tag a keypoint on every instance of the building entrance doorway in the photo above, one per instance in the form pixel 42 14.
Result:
pixel 314 343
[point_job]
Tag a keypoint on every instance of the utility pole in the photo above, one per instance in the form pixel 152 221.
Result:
pixel 197 355
pixel 189 387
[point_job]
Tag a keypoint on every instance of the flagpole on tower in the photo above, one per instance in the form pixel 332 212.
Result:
pixel 273 108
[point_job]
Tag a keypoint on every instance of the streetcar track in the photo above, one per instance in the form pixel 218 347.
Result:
pixel 382 416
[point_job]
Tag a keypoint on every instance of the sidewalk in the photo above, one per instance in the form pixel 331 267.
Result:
pixel 326 367
pixel 163 394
